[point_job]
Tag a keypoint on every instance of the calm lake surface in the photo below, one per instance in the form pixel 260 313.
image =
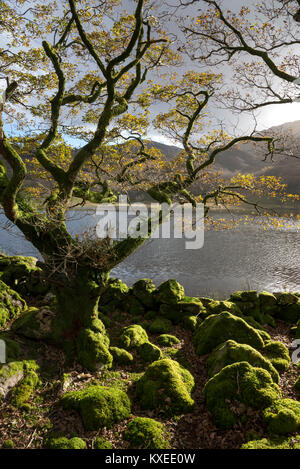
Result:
pixel 249 257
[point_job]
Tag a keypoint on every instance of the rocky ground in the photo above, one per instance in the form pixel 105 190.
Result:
pixel 164 349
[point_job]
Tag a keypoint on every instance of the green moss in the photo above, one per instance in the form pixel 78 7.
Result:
pixel 98 406
pixel 135 307
pixel 133 336
pixel 11 304
pixel 191 322
pixel 171 312
pixel 274 443
pixel 101 443
pixel 283 417
pixel 92 350
pixel 150 315
pixel 8 444
pixel 231 352
pixel 22 275
pixel 268 302
pixel 121 356
pixel 278 354
pixel 166 340
pixel 289 313
pixel 286 298
pixel 144 290
pixel 146 433
pixel 297 384
pixel 149 352
pixel 191 306
pixel 166 385
pixel 116 290
pixel 24 390
pixel 244 296
pixel 216 329
pixel 242 382
pixel 170 292
pixel 65 443
pixel 13 373
pixel 160 326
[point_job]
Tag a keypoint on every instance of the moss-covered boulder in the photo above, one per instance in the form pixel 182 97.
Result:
pixel 216 307
pixel 102 443
pixel 133 336
pixel 24 390
pixel 144 290
pixel 232 352
pixel 250 296
pixel 286 298
pixel 18 372
pixel 92 350
pixel 171 312
pixel 35 323
pixel 146 433
pixel 166 385
pixel 23 275
pixel 149 352
pixel 191 322
pixel 113 296
pixel 65 443
pixel 191 306
pixel 289 313
pixel 278 354
pixel 283 417
pixel 160 326
pixel 267 302
pixel 241 382
pixel 99 406
pixel 274 443
pixel 166 340
pixel 121 356
pixel 216 329
pixel 11 304
pixel 135 307
pixel 170 292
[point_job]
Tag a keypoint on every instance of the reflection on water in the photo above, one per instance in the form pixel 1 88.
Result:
pixel 249 257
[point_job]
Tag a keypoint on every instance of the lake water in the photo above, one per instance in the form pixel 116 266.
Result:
pixel 245 258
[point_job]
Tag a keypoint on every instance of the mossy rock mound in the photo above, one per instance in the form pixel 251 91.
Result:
pixel 278 354
pixel 191 322
pixel 217 329
pixel 170 292
pixel 216 307
pixel 239 382
pixel 146 433
pixel 160 326
pixel 149 352
pixel 250 296
pixel 144 290
pixel 232 352
pixel 113 296
pixel 171 312
pixel 135 307
pixel 99 406
pixel 286 298
pixel 289 313
pixel 166 340
pixel 274 443
pixel 268 302
pixel 133 336
pixel 65 443
pixel 23 275
pixel 166 385
pixel 92 350
pixel 35 323
pixel 24 390
pixel 283 417
pixel 102 443
pixel 11 304
pixel 121 356
pixel 191 306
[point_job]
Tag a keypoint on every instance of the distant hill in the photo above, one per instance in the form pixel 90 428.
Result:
pixel 248 158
